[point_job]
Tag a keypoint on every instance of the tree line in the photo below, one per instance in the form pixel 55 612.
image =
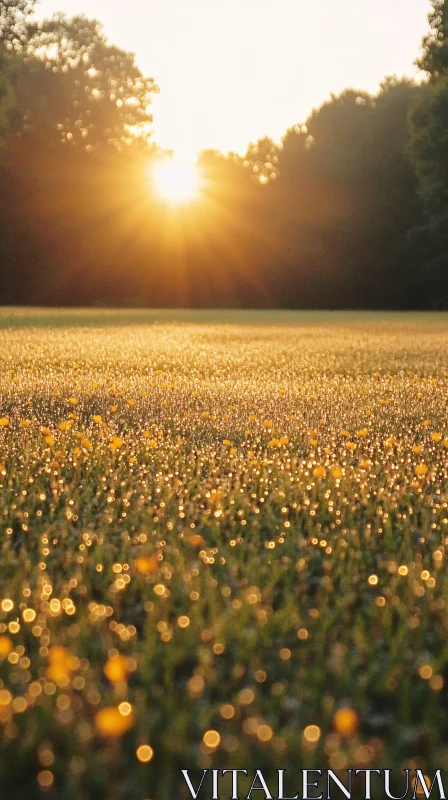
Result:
pixel 349 211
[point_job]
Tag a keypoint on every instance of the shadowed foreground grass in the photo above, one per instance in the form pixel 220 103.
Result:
pixel 222 545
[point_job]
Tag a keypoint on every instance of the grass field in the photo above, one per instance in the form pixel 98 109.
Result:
pixel 222 545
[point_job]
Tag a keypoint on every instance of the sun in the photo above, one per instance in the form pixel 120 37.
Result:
pixel 176 181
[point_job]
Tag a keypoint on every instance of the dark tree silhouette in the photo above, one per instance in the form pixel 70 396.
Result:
pixel 13 37
pixel 345 199
pixel 429 149
pixel 434 57
pixel 349 210
pixel 73 88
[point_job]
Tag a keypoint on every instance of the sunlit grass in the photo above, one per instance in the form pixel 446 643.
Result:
pixel 221 545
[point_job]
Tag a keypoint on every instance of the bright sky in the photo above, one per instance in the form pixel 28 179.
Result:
pixel 231 71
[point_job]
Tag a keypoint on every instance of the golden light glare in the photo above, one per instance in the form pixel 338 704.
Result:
pixel 176 181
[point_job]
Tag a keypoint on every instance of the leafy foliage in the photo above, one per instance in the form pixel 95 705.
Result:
pixel 13 34
pixel 434 59
pixel 348 210
pixel 429 151
pixel 13 20
pixel 74 88
pixel 6 92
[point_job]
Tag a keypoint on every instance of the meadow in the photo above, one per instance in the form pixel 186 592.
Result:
pixel 223 540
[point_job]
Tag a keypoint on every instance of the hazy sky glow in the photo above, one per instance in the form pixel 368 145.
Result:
pixel 230 71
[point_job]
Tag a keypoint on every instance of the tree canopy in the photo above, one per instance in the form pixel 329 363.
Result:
pixel 348 210
pixel 13 36
pixel 74 88
pixel 434 57
pixel 429 151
